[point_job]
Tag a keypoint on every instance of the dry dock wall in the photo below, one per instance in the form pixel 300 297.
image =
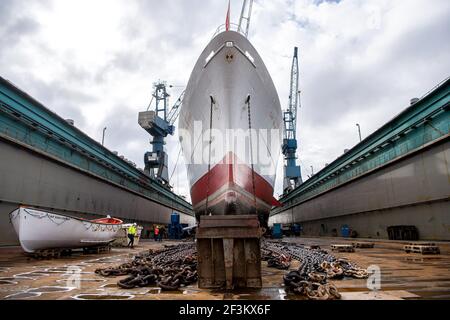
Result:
pixel 31 179
pixel 414 190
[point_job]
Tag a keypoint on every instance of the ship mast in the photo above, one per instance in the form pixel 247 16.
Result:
pixel 246 14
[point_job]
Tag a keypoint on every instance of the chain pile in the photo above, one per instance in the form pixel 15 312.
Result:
pixel 275 260
pixel 317 266
pixel 176 266
pixel 169 268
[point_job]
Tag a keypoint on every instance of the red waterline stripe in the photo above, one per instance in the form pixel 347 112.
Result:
pixel 229 171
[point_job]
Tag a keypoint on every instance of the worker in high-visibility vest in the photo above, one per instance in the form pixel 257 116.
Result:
pixel 132 231
pixel 156 233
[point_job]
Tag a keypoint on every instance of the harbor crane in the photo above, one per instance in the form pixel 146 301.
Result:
pixel 292 172
pixel 159 123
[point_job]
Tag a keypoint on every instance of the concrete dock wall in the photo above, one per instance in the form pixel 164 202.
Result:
pixel 415 190
pixel 31 179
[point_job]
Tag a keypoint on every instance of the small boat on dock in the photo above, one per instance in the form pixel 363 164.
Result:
pixel 40 230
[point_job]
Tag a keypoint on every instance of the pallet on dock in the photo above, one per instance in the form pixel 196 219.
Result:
pixel 56 253
pixel 364 245
pixel 342 247
pixel 423 248
pixel 52 253
pixel 97 250
pixel 313 247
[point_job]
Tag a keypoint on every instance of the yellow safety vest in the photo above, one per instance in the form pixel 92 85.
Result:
pixel 132 230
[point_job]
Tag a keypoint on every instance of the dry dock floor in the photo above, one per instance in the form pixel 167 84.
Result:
pixel 403 276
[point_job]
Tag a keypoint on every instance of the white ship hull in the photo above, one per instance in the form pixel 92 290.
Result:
pixel 38 230
pixel 230 90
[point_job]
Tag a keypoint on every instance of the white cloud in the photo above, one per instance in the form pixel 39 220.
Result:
pixel 95 61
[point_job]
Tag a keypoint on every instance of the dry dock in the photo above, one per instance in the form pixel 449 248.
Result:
pixel 403 275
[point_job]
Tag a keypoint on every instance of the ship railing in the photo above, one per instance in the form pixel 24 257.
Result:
pixel 233 27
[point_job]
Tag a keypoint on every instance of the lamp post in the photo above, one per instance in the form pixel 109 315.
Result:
pixel 103 137
pixel 359 132
pixel 312 171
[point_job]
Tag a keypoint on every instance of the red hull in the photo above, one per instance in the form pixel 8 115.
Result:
pixel 229 189
pixel 108 221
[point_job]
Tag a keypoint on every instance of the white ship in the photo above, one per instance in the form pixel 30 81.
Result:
pixel 231 91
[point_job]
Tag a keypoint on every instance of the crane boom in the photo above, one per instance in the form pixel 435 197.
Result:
pixel 175 111
pixel 292 172
pixel 291 113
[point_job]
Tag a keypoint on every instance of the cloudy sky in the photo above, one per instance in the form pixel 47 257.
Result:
pixel 94 61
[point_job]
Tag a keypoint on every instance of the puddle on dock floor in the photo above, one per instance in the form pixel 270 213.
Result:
pixel 181 291
pixel 8 281
pixel 110 285
pixel 83 280
pixel 31 275
pixel 256 294
pixel 433 294
pixel 70 274
pixel 109 260
pixel 48 289
pixel 95 296
pixel 150 291
pixel 154 291
pixel 63 270
pixel 23 295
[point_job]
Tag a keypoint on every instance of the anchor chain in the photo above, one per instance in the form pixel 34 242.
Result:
pixel 176 266
pixel 169 269
pixel 317 267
